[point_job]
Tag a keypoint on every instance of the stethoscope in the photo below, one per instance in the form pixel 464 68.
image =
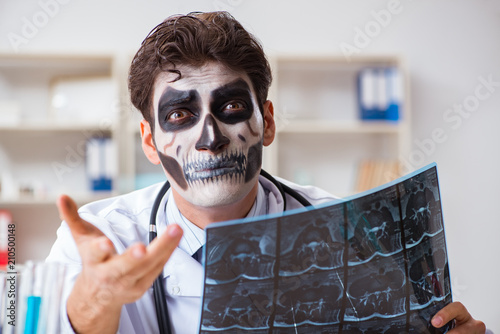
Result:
pixel 158 291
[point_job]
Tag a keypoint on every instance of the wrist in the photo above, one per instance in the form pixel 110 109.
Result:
pixel 92 312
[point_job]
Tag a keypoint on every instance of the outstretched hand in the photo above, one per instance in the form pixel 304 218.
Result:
pixel 109 280
pixel 465 324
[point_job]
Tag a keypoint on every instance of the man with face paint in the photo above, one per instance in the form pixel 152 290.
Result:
pixel 201 82
pixel 208 135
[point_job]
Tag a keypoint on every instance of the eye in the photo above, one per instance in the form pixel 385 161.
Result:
pixel 178 116
pixel 232 107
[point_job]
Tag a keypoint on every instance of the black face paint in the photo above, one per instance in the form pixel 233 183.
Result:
pixel 211 137
pixel 174 169
pixel 254 161
pixel 185 103
pixel 235 93
pixel 230 104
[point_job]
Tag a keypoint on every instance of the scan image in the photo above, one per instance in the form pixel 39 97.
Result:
pixel 238 305
pixel 376 288
pixel 308 329
pixel 313 298
pixel 372 263
pixel 374 225
pixel 396 325
pixel 312 243
pixel 238 331
pixel 421 206
pixel 249 252
pixel 428 272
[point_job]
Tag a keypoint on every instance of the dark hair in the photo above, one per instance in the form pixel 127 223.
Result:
pixel 195 39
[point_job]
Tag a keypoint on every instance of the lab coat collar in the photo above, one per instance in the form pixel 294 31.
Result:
pixel 183 275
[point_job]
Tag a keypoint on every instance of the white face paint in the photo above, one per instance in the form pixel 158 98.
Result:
pixel 208 132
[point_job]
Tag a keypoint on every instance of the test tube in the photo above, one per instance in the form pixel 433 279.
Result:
pixel 53 284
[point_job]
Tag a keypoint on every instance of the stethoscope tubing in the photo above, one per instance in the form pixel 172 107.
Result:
pixel 158 290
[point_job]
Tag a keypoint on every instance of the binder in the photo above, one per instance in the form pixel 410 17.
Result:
pixel 379 93
pixel 101 163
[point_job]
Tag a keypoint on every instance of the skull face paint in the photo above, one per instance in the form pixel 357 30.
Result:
pixel 208 134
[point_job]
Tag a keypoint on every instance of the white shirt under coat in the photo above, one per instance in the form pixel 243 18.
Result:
pixel 125 220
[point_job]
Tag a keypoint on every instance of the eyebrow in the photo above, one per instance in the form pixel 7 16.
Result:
pixel 236 87
pixel 173 97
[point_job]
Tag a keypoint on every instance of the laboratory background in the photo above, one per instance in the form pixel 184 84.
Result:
pixel 364 91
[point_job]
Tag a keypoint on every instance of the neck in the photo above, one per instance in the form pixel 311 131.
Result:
pixel 203 216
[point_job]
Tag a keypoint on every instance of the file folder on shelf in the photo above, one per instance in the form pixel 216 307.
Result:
pixel 379 93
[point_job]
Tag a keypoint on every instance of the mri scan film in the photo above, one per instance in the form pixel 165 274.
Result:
pixel 373 263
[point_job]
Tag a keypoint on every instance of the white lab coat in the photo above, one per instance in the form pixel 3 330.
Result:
pixel 125 220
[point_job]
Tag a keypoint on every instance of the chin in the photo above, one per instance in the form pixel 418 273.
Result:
pixel 217 195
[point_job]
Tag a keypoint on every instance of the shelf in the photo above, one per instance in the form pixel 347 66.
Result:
pixel 311 61
pixel 40 127
pixel 51 200
pixel 56 64
pixel 327 126
pixel 52 106
pixel 317 116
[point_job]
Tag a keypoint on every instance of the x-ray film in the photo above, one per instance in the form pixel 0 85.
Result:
pixel 373 263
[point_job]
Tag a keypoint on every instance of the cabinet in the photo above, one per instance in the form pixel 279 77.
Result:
pixel 50 106
pixel 320 138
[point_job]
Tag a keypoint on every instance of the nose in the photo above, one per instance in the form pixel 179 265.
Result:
pixel 211 137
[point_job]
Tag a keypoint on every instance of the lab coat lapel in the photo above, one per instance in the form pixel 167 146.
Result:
pixel 183 275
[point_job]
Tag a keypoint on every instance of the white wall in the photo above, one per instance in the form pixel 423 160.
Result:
pixel 449 46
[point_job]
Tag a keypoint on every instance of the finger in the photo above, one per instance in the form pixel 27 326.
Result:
pixel 161 248
pixel 465 323
pixel 159 251
pixel 69 213
pixel 97 250
pixel 156 254
pixel 165 244
pixel 451 311
pixel 139 261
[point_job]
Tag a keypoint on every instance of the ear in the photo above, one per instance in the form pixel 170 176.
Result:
pixel 269 125
pixel 148 145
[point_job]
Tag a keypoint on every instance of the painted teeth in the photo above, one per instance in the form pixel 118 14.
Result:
pixel 230 167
